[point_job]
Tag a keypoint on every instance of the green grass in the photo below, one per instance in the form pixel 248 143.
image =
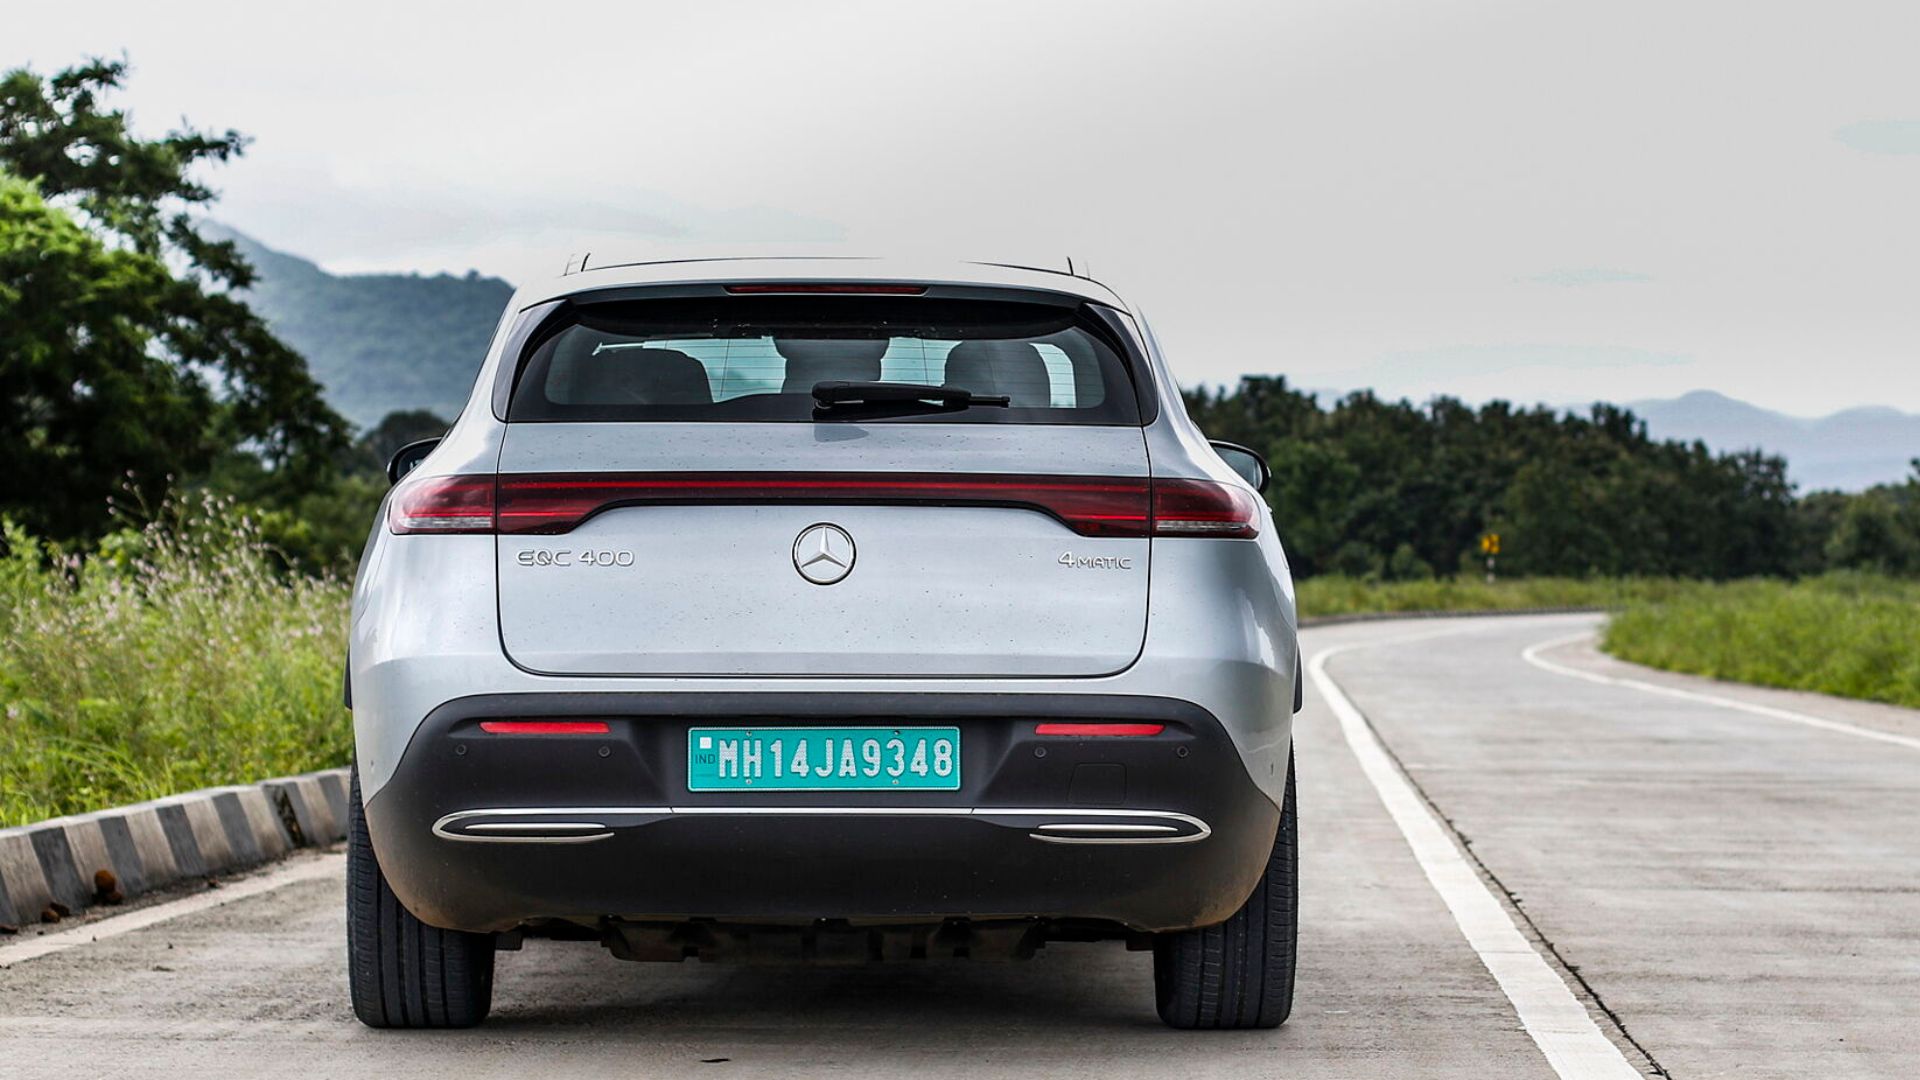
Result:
pixel 173 658
pixel 1332 595
pixel 1855 635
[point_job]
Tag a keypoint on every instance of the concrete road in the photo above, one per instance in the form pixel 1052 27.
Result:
pixel 1717 890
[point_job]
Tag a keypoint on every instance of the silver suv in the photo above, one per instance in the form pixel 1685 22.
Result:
pixel 833 610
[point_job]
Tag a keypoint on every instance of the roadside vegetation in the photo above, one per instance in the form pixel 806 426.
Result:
pixel 1854 635
pixel 169 657
pixel 1848 633
pixel 1336 594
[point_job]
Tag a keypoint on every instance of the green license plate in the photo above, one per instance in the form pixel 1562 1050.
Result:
pixel 823 759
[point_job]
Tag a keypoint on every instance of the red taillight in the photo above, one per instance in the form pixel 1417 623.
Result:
pixel 1090 730
pixel 442 504
pixel 544 727
pixel 550 503
pixel 1203 508
pixel 827 288
pixel 556 503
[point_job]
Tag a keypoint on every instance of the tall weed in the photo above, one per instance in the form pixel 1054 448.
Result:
pixel 174 656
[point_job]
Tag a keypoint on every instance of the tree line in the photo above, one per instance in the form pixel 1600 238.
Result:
pixel 1395 490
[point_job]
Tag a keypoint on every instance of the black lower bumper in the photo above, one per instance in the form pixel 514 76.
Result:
pixel 482 831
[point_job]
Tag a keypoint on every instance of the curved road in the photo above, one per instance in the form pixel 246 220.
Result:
pixel 1520 859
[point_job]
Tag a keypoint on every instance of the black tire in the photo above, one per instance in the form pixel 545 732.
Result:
pixel 1238 974
pixel 402 972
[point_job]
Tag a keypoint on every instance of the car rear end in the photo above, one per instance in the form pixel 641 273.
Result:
pixel 668 642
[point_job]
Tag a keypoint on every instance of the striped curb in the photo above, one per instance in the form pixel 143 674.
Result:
pixel 55 865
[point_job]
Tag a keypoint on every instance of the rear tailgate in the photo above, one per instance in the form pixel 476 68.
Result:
pixel 705 578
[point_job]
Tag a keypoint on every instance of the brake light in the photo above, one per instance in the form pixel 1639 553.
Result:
pixel 826 288
pixel 1203 508
pixel 1086 730
pixel 556 503
pixel 544 727
pixel 442 504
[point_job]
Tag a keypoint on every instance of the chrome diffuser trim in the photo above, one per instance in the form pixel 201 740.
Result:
pixel 572 830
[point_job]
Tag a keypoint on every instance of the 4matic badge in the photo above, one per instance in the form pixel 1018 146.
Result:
pixel 1095 562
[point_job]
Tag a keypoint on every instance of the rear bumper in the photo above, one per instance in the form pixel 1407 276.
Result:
pixel 480 831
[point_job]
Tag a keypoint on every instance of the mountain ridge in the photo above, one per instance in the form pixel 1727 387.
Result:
pixel 1848 450
pixel 376 342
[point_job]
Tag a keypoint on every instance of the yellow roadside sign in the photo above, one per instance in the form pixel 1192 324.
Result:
pixel 1490 544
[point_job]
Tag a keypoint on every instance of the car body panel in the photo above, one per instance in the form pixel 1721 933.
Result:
pixel 931 590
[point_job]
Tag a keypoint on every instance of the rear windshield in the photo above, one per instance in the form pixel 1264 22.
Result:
pixel 759 358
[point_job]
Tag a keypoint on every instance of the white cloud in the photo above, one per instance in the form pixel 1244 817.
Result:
pixel 1882 136
pixel 1589 275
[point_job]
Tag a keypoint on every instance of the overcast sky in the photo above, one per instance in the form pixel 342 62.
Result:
pixel 1529 200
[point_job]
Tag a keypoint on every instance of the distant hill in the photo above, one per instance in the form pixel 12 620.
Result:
pixel 1849 450
pixel 377 342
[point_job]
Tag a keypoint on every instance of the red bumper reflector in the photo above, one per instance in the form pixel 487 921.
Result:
pixel 544 727
pixel 1098 729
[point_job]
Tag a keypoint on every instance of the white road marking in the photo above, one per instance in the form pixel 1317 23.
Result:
pixel 308 869
pixel 1558 1023
pixel 1531 654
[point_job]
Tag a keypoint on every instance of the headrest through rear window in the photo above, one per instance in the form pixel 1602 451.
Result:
pixel 1013 368
pixel 637 377
pixel 813 360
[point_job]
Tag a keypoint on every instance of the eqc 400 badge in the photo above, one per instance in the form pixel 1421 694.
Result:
pixel 569 557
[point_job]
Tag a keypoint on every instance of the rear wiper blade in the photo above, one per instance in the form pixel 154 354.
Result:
pixel 839 393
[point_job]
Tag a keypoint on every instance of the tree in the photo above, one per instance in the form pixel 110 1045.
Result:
pixel 125 358
pixel 395 430
pixel 1377 488
pixel 86 407
pixel 1879 529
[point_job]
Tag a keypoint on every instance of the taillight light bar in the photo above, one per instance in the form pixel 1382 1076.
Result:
pixel 1090 506
pixel 554 503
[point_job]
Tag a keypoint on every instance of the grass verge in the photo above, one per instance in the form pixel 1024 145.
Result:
pixel 1849 634
pixel 1328 595
pixel 1853 635
pixel 174 657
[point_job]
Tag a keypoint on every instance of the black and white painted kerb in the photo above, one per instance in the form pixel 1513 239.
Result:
pixel 56 865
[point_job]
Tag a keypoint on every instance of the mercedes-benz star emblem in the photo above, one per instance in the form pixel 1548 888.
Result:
pixel 823 553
